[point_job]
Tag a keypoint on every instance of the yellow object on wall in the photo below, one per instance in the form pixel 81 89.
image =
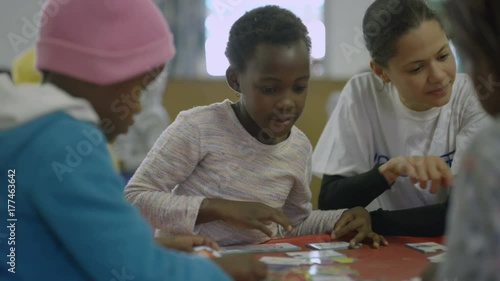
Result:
pixel 23 68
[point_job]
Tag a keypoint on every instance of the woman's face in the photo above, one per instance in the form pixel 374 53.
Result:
pixel 423 69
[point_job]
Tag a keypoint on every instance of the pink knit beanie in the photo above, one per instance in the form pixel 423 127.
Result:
pixel 102 41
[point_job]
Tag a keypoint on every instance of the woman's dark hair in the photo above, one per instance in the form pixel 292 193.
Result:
pixel 476 28
pixel 385 21
pixel 268 24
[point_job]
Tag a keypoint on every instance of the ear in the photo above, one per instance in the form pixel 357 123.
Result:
pixel 232 79
pixel 379 71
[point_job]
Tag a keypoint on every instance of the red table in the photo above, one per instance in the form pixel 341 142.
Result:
pixel 395 262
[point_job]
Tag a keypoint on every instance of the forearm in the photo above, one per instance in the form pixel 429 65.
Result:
pixel 340 192
pixel 422 221
pixel 172 213
pixel 317 222
pixel 210 210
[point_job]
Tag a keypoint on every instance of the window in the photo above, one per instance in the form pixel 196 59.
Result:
pixel 221 14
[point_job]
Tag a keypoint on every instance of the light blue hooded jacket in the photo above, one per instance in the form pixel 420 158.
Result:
pixel 67 218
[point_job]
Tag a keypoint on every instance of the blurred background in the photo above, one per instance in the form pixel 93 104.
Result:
pixel 201 28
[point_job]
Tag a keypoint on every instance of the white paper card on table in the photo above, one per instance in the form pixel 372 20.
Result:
pixel 427 247
pixel 206 252
pixel 284 261
pixel 338 245
pixel 331 278
pixel 438 258
pixel 315 254
pixel 260 248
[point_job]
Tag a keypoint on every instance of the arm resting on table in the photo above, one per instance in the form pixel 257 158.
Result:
pixel 422 221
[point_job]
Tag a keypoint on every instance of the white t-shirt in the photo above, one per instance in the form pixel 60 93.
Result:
pixel 370 125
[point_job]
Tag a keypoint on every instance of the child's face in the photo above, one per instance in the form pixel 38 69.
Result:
pixel 124 101
pixel 423 69
pixel 274 86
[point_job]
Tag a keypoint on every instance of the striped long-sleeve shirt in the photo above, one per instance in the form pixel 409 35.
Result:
pixel 206 153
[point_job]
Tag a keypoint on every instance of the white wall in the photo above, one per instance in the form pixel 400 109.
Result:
pixel 18 20
pixel 346 54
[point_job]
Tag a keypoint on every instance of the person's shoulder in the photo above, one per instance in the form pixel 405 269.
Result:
pixel 463 80
pixel 464 92
pixel 57 141
pixel 362 86
pixel 300 139
pixel 463 85
pixel 483 155
pixel 58 130
pixel 54 130
pixel 488 139
pixel 366 80
pixel 206 112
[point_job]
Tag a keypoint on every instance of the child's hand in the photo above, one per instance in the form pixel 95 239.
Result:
pixel 254 215
pixel 357 219
pixel 186 242
pixel 250 215
pixel 420 169
pixel 242 267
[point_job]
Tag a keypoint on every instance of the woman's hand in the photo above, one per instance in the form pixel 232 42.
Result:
pixel 419 169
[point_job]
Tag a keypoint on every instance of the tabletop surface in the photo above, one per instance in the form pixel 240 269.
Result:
pixel 395 262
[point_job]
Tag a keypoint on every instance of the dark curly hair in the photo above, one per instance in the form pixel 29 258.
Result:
pixel 385 21
pixel 268 24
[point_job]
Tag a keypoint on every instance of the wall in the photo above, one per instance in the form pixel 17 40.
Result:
pixel 185 94
pixel 346 53
pixel 18 19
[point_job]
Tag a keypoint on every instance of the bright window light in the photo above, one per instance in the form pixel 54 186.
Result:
pixel 221 14
pixel 317 34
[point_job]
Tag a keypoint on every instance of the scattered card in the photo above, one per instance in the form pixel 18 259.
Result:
pixel 286 273
pixel 338 245
pixel 284 261
pixel 206 252
pixel 331 278
pixel 315 254
pixel 260 248
pixel 343 259
pixel 322 270
pixel 427 247
pixel 437 258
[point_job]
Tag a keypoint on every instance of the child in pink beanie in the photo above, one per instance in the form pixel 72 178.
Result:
pixel 67 217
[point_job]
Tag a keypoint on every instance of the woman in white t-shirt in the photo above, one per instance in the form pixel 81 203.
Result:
pixel 399 132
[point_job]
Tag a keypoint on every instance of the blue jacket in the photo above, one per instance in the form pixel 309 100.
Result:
pixel 63 213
